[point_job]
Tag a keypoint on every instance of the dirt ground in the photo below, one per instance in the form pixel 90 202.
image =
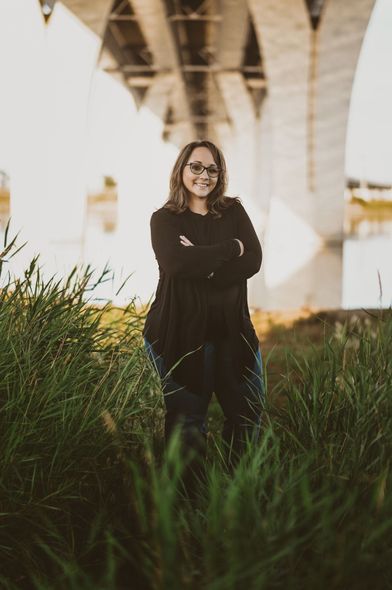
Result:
pixel 298 332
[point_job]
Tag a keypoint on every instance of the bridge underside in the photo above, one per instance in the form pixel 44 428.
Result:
pixel 220 69
pixel 268 80
pixel 198 42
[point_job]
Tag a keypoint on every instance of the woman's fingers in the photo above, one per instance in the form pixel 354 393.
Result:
pixel 185 242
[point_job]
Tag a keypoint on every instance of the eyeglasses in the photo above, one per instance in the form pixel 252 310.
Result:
pixel 196 168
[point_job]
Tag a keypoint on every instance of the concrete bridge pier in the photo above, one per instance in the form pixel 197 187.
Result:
pixel 144 172
pixel 242 142
pixel 71 74
pixel 337 46
pixel 310 73
pixel 48 123
pixel 22 121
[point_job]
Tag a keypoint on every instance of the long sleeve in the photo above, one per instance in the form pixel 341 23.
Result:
pixel 183 261
pixel 246 265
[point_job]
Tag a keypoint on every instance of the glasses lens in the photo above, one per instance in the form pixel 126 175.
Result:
pixel 196 168
pixel 213 171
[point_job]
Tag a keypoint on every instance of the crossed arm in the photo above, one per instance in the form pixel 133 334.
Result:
pixel 178 260
pixel 249 263
pixel 223 259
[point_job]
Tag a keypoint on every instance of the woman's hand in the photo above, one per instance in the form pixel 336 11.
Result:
pixel 185 242
pixel 241 246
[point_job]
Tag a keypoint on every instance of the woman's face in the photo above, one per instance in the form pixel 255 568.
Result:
pixel 199 185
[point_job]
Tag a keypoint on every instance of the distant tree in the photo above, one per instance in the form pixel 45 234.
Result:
pixel 109 182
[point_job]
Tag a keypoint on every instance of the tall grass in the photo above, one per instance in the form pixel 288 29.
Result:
pixel 88 500
pixel 71 387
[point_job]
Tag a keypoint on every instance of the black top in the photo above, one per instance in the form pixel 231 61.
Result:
pixel 216 326
pixel 190 308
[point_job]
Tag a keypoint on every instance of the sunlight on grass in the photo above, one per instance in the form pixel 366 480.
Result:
pixel 91 500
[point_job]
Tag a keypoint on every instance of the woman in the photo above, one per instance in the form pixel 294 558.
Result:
pixel 198 332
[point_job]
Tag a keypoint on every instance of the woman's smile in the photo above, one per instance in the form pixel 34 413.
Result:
pixel 199 185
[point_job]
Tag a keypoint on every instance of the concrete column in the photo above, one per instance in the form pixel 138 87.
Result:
pixel 22 120
pixel 143 187
pixel 263 176
pixel 243 159
pixel 241 112
pixel 310 76
pixel 47 70
pixel 291 243
pixel 339 41
pixel 157 32
pixel 71 68
pixel 283 34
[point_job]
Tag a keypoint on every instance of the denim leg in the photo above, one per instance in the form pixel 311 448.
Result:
pixel 182 406
pixel 242 400
pixel 189 411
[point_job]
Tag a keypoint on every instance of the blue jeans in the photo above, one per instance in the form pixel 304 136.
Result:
pixel 242 400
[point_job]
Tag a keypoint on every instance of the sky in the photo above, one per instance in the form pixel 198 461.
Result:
pixel 369 136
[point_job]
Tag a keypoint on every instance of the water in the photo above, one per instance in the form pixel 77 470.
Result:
pixel 367 263
pixel 356 274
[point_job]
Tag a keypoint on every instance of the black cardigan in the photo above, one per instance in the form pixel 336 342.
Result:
pixel 176 323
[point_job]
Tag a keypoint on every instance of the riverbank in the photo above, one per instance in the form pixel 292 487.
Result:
pixel 299 332
pixel 91 501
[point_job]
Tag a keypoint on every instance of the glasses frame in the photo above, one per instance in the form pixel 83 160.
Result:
pixel 204 168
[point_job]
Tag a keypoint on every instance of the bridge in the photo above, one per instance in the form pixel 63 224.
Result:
pixel 269 80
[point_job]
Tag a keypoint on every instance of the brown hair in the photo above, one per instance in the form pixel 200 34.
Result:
pixel 178 195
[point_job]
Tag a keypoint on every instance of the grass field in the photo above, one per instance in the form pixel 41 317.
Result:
pixel 89 500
